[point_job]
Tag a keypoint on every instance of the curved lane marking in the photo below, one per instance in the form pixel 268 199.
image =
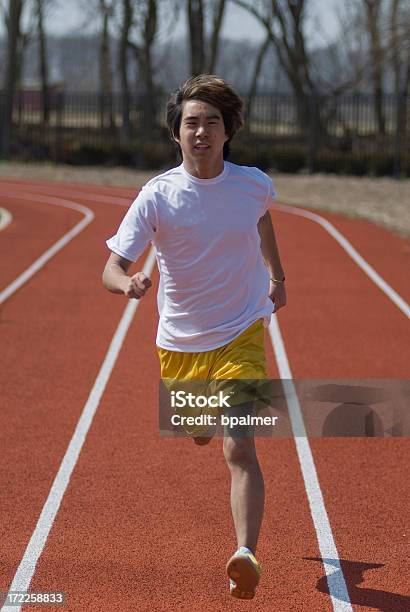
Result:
pixel 27 566
pixel 120 200
pixel 301 212
pixel 351 251
pixel 61 243
pixel 5 218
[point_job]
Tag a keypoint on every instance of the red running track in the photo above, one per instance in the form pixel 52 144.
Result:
pixel 144 523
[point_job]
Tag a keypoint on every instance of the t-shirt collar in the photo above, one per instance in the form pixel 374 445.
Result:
pixel 210 181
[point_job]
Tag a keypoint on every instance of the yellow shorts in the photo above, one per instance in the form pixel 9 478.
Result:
pixel 242 358
pixel 233 370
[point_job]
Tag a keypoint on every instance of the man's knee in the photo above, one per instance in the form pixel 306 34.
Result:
pixel 239 451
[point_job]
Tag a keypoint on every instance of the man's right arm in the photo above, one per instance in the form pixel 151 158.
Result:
pixel 116 279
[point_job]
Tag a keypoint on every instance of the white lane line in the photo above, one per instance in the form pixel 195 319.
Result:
pixel 61 243
pixel 351 251
pixel 57 187
pixel 26 569
pixel 77 192
pixel 328 550
pixel 5 218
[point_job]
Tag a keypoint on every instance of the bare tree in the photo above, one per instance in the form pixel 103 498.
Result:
pixel 147 31
pixel 126 23
pixel 145 27
pixel 13 24
pixel 255 77
pixel 105 10
pixel 373 10
pixel 284 22
pixel 383 31
pixel 217 20
pixel 139 32
pixel 394 36
pixel 399 43
pixel 196 35
pixel 199 13
pixel 106 115
pixel 40 6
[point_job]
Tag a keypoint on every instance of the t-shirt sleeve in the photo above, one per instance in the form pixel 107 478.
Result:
pixel 271 195
pixel 137 228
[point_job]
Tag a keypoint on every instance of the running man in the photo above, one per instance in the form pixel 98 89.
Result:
pixel 220 279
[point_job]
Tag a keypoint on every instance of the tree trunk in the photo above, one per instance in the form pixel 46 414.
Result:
pixel 150 102
pixel 373 8
pixel 14 16
pixel 123 69
pixel 254 83
pixel 196 35
pixel 106 115
pixel 394 45
pixel 43 61
pixel 215 36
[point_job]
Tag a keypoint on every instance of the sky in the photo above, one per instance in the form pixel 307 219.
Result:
pixel 67 18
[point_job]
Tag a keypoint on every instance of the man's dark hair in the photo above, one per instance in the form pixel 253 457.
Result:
pixel 214 90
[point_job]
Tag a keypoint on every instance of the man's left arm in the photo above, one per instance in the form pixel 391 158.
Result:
pixel 270 253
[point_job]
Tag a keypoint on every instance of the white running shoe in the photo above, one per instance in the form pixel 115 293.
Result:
pixel 244 572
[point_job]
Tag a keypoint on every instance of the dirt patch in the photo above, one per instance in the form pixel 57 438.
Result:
pixel 384 201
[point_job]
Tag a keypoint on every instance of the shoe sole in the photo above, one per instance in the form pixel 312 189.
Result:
pixel 205 437
pixel 245 576
pixel 202 441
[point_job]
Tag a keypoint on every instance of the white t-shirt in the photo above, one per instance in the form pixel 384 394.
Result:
pixel 213 279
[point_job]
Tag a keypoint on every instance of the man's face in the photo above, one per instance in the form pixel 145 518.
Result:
pixel 202 132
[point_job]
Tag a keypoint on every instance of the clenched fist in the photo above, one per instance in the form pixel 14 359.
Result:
pixel 137 285
pixel 277 294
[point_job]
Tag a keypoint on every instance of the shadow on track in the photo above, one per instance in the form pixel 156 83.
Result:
pixel 373 598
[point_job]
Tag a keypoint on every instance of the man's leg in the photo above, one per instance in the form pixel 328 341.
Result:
pixel 247 486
